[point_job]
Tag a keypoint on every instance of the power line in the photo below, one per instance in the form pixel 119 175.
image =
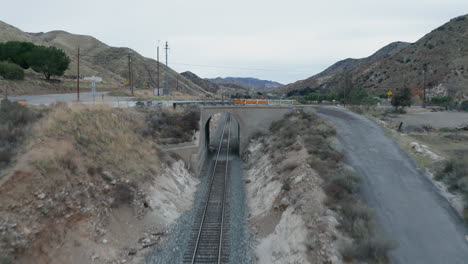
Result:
pixel 231 67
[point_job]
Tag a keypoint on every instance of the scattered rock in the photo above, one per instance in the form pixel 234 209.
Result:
pixel 248 181
pixel 105 241
pixel 41 196
pixel 132 251
pixel 107 176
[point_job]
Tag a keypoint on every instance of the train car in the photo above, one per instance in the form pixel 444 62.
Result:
pixel 250 101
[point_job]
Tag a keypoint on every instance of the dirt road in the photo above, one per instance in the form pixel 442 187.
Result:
pixel 406 204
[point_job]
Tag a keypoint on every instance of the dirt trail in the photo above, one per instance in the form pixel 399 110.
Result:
pixel 406 204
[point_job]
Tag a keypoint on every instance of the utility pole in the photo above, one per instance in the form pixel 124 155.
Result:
pixel 157 77
pixel 424 87
pixel 78 75
pixel 177 83
pixel 166 80
pixel 130 79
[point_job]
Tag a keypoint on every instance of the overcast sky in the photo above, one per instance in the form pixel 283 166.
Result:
pixel 269 39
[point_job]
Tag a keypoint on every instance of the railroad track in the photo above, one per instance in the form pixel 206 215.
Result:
pixel 209 237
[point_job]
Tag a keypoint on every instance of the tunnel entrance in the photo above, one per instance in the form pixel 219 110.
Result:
pixel 213 130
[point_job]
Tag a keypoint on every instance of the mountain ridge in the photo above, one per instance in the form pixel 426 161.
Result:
pixel 247 82
pixel 100 59
pixel 441 53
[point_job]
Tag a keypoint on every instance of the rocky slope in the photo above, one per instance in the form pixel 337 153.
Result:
pixel 99 59
pixel 442 53
pixel 90 187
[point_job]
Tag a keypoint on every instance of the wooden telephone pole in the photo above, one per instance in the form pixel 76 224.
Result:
pixel 130 73
pixel 157 77
pixel 78 75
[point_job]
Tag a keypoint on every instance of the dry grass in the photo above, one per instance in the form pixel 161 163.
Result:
pixel 15 124
pixel 341 184
pixel 109 137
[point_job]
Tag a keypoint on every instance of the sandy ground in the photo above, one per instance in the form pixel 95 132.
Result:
pixel 420 116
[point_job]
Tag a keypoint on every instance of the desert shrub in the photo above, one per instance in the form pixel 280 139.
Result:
pixel 402 98
pixel 347 180
pixel 11 71
pixel 443 100
pixel 374 249
pixel 464 106
pixel 172 127
pixel 428 127
pixel 288 166
pixel 14 126
pixel 447 129
pixel 5 258
pixel 123 195
pixel 452 173
pixel 341 184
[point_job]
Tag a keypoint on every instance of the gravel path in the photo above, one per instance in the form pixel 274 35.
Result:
pixel 407 206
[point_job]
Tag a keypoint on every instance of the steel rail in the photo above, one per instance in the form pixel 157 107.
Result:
pixel 224 194
pixel 197 244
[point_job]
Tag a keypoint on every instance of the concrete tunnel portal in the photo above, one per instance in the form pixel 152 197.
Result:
pixel 213 128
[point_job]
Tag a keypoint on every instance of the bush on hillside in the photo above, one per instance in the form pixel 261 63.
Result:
pixel 16 52
pixel 464 106
pixel 402 98
pixel 172 127
pixel 14 121
pixel 443 101
pixel 11 71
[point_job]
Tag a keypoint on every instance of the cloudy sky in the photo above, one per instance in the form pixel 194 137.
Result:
pixel 269 39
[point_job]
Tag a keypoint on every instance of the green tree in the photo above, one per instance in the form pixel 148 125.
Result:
pixel 11 71
pixel 49 61
pixel 16 52
pixel 402 98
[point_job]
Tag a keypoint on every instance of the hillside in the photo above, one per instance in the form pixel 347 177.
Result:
pixel 99 59
pixel 203 83
pixel 250 83
pixel 442 52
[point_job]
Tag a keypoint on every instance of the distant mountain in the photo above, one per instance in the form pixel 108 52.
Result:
pixel 99 59
pixel 250 83
pixel 443 53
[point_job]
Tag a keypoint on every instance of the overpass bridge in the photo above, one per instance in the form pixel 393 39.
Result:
pixel 250 119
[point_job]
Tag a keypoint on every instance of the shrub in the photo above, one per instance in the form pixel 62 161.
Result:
pixel 374 248
pixel 464 106
pixel 347 180
pixel 11 71
pixel 172 127
pixel 443 101
pixel 289 166
pixel 124 194
pixel 402 98
pixel 5 258
pixel 14 122
pixel 452 173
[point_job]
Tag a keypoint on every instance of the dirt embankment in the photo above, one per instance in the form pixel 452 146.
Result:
pixel 90 186
pixel 303 200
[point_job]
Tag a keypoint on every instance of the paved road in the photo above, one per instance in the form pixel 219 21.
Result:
pixel 47 99
pixel 407 205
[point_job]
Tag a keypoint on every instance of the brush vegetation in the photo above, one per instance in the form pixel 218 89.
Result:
pixel 341 183
pixel 15 126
